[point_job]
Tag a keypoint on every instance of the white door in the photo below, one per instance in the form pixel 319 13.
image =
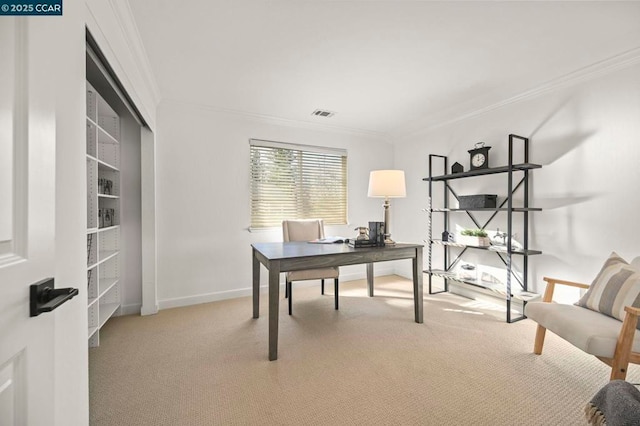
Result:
pixel 27 222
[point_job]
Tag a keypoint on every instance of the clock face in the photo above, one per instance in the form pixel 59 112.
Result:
pixel 478 160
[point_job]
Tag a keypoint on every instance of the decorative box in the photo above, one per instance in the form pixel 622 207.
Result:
pixel 479 201
pixel 469 240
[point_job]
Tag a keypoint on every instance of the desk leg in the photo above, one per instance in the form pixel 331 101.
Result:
pixel 274 308
pixel 256 285
pixel 417 286
pixel 370 279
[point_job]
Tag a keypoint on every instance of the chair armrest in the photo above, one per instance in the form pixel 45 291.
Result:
pixel 624 347
pixel 551 284
pixel 632 311
pixel 630 321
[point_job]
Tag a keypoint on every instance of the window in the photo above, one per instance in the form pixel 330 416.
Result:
pixel 297 182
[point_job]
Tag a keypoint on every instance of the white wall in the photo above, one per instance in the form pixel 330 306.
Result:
pixel 203 214
pixel 586 136
pixel 130 207
pixel 112 26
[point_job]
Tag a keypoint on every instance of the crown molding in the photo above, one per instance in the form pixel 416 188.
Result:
pixel 462 112
pixel 301 124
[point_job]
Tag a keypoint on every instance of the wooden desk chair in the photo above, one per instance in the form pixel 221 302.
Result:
pixel 307 230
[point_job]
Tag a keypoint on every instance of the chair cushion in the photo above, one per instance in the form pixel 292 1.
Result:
pixel 594 333
pixel 313 274
pixel 617 285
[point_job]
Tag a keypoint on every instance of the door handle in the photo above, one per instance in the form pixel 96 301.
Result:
pixel 45 298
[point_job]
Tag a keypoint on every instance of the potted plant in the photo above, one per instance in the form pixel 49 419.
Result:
pixel 474 237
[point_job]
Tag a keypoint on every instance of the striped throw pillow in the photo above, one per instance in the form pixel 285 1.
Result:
pixel 617 285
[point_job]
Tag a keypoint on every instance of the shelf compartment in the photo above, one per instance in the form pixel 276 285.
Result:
pixel 105 255
pixel 482 172
pixel 106 311
pixel 105 137
pixel 108 202
pixel 497 249
pixel 102 166
pixel 105 285
pixel 108 119
pixel 500 289
pixel 108 150
pixel 108 228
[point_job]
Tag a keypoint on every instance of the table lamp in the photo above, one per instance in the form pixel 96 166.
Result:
pixel 387 184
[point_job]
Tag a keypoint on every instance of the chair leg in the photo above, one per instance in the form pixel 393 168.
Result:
pixel 322 286
pixel 286 289
pixel 537 346
pixel 290 296
pixel 623 347
pixel 335 291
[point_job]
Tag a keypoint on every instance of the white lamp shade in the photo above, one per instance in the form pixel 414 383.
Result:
pixel 387 183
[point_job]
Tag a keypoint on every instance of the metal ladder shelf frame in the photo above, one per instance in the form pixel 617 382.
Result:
pixel 505 257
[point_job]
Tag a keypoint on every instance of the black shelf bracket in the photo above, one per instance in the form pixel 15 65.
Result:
pixel 45 298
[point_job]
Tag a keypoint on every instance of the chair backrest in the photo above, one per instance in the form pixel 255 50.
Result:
pixel 302 230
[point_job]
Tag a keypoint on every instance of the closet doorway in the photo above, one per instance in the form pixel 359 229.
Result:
pixel 121 249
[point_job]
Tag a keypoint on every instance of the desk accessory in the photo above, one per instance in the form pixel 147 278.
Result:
pixel 386 184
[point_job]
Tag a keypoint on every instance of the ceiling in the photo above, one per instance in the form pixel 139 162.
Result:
pixel 382 66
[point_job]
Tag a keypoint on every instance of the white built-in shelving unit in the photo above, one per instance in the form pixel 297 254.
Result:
pixel 103 214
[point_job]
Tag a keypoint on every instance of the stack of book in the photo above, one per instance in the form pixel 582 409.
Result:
pixel 362 243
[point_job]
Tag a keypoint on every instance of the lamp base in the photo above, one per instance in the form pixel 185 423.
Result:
pixel 387 237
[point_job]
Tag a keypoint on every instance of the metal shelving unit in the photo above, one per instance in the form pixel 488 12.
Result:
pixel 508 291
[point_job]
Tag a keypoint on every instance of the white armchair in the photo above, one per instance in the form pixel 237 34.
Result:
pixel 609 339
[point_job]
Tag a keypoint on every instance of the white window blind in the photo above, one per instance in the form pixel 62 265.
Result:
pixel 291 181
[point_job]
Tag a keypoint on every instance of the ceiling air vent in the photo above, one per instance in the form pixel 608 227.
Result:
pixel 322 113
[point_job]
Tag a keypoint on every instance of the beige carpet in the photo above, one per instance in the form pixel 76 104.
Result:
pixel 367 364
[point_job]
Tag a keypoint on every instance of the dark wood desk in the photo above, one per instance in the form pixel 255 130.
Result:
pixel 294 256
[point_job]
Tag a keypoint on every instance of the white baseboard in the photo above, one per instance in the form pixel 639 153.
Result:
pixel 247 291
pixel 152 310
pixel 130 309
